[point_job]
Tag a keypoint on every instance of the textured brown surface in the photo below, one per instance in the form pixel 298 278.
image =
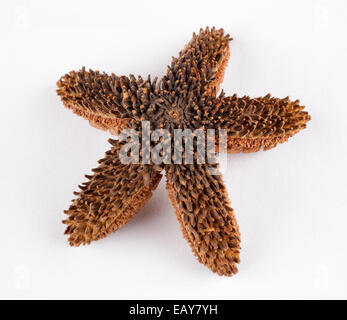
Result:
pixel 108 102
pixel 102 121
pixel 205 58
pixel 220 70
pixel 113 194
pixel 257 123
pixel 185 98
pixel 207 221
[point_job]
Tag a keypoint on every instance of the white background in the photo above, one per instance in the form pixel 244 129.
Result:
pixel 290 202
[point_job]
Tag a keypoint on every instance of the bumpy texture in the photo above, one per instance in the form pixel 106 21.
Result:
pixel 108 102
pixel 207 221
pixel 200 64
pixel 255 123
pixel 185 98
pixel 113 194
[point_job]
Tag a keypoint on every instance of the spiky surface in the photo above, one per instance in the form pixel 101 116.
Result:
pixel 108 102
pixel 255 123
pixel 110 197
pixel 201 64
pixel 185 98
pixel 207 221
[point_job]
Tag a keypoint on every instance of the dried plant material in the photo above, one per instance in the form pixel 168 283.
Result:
pixel 185 98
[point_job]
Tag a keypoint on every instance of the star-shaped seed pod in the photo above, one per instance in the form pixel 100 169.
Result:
pixel 185 98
